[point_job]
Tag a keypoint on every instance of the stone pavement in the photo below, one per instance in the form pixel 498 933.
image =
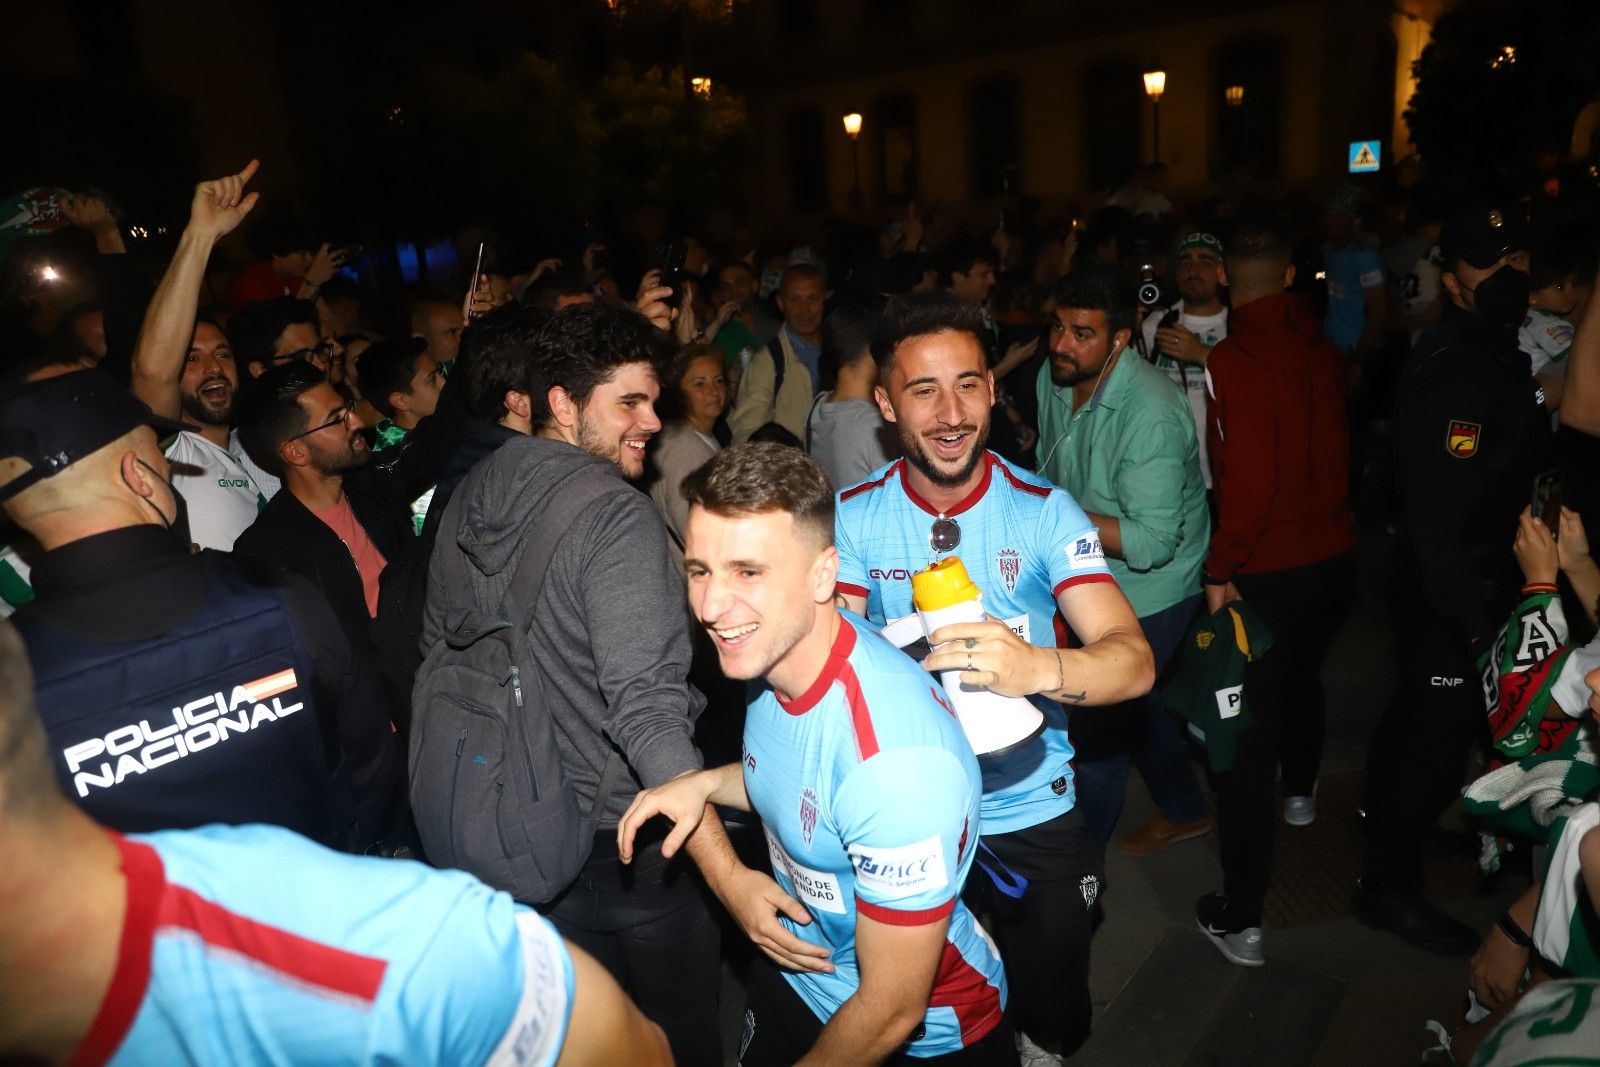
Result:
pixel 1332 992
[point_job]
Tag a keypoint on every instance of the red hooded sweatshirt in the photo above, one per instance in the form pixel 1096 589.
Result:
pixel 1279 443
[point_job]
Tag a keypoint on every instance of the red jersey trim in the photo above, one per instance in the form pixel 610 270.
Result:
pixel 890 917
pixel 860 714
pixel 967 502
pixel 851 589
pixel 1081 579
pixel 960 987
pixel 314 963
pixel 838 658
pixel 145 882
pixel 876 483
pixel 1022 486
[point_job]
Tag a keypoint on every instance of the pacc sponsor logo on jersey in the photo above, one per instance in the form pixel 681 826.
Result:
pixel 808 815
pixel 892 574
pixel 1085 553
pixel 1010 563
pixel 138 748
pixel 901 871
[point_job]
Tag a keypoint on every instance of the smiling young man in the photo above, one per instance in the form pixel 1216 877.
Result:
pixel 1040 565
pixel 610 636
pixel 864 782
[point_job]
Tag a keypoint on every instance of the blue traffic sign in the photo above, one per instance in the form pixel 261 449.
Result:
pixel 1365 156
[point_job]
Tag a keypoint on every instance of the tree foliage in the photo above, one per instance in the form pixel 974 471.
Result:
pixel 526 151
pixel 1500 82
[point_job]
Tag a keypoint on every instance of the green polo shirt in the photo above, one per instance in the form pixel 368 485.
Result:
pixel 1132 453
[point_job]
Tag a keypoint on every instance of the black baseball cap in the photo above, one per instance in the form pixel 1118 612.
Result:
pixel 53 423
pixel 1482 236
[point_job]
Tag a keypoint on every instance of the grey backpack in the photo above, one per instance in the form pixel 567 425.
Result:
pixel 487 788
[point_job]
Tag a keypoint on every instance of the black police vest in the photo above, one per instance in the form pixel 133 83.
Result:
pixel 212 721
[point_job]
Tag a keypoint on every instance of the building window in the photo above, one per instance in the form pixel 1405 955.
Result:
pixel 1114 95
pixel 897 147
pixel 1247 99
pixel 994 138
pixel 808 160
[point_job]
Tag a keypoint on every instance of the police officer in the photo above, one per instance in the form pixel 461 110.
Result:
pixel 179 688
pixel 1471 434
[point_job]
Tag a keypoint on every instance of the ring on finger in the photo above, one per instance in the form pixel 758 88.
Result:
pixel 972 643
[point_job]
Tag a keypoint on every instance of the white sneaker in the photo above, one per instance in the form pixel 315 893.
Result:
pixel 1300 811
pixel 1031 1055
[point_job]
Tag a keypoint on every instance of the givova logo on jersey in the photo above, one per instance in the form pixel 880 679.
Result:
pixel 194 726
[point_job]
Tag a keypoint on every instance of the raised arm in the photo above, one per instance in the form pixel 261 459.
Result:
pixel 218 206
pixel 1580 401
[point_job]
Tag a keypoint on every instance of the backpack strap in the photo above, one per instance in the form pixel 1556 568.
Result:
pixel 775 349
pixel 811 413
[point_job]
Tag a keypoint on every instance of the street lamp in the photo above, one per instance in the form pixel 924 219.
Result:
pixel 852 130
pixel 1155 83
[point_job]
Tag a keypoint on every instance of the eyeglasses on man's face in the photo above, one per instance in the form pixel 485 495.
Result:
pixel 340 414
pixel 320 356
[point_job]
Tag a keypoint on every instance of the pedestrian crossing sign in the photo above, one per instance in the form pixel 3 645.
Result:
pixel 1365 156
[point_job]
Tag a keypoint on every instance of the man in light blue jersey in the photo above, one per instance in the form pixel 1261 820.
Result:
pixel 251 945
pixel 1040 564
pixel 867 790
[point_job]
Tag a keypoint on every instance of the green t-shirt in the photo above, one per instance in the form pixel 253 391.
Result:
pixel 1131 453
pixel 735 339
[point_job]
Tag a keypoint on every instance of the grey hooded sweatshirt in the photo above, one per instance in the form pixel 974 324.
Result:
pixel 611 628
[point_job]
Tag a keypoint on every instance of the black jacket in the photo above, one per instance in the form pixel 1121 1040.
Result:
pixel 125 590
pixel 1471 434
pixel 289 536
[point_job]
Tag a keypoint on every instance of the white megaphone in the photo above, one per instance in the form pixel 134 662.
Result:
pixel 994 724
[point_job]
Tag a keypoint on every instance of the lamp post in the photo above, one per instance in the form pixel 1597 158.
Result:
pixel 1155 83
pixel 852 130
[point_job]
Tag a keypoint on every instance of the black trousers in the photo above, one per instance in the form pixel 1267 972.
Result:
pixel 1418 755
pixel 1044 935
pixel 780 1028
pixel 1303 607
pixel 648 924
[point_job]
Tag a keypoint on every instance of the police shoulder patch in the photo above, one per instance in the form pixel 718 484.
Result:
pixel 1461 438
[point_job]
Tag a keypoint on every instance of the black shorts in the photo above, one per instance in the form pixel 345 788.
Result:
pixel 780 1028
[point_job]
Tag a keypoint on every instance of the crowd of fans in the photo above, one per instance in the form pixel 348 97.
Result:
pixel 600 589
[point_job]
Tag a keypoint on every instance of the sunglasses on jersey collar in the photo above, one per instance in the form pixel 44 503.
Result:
pixel 945 535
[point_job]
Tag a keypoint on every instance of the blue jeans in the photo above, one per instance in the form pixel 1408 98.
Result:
pixel 1141 732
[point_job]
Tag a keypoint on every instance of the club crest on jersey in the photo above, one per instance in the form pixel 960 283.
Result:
pixel 1461 439
pixel 1089 886
pixel 1010 567
pixel 808 815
